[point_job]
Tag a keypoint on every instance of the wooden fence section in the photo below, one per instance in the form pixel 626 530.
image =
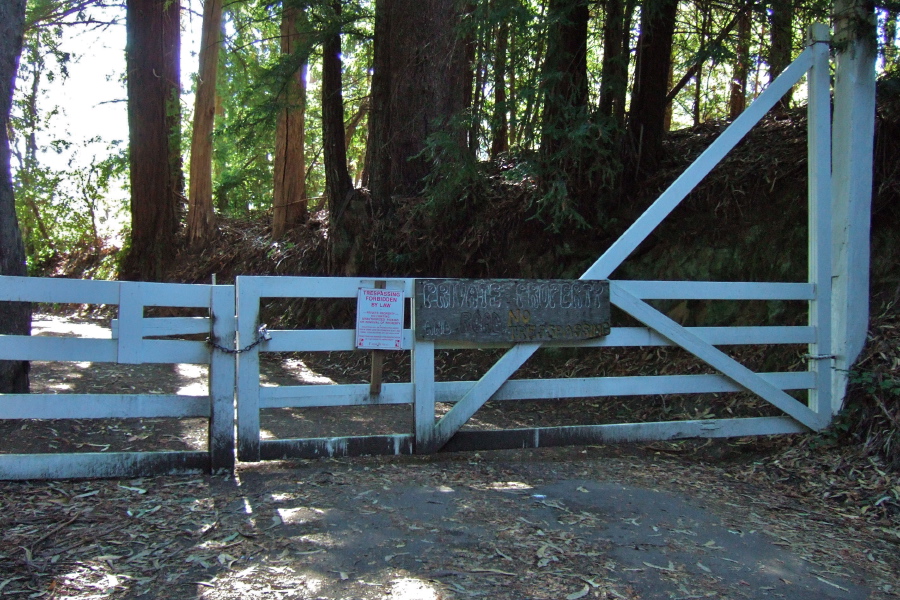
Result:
pixel 423 391
pixel 130 343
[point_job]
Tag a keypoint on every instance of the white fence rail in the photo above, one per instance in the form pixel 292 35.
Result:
pixel 129 343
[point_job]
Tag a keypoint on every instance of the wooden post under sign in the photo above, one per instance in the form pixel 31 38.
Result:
pixel 377 359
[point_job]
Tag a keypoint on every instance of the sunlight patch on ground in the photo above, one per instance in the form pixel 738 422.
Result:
pixel 505 486
pixel 61 326
pixel 409 588
pixel 196 376
pixel 306 374
pixel 300 514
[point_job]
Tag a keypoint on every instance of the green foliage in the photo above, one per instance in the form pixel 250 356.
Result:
pixel 61 211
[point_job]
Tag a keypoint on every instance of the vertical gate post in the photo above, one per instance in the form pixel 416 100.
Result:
pixel 422 372
pixel 222 368
pixel 247 294
pixel 819 198
pixel 131 323
pixel 853 147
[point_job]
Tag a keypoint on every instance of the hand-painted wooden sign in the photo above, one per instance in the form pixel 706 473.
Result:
pixel 511 310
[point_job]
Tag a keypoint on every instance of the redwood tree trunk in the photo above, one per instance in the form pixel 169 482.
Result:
pixel 614 70
pixel 738 99
pixel 500 131
pixel 15 317
pixel 780 49
pixel 289 199
pixel 337 179
pixel 152 61
pixel 566 155
pixel 418 86
pixel 201 217
pixel 648 99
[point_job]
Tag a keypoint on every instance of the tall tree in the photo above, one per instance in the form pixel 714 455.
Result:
pixel 15 317
pixel 154 114
pixel 565 98
pixel 616 56
pixel 738 98
pixel 337 178
pixel 500 129
pixel 418 87
pixel 647 113
pixel 201 217
pixel 782 23
pixel 289 199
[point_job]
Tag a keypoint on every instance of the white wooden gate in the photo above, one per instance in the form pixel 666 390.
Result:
pixel 426 433
pixel 130 343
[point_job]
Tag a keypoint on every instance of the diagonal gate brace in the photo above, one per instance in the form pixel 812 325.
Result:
pixel 708 353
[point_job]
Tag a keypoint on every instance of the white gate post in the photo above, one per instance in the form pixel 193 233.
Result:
pixel 819 199
pixel 422 371
pixel 222 368
pixel 853 141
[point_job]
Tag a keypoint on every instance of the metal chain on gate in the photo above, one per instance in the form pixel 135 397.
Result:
pixel 262 335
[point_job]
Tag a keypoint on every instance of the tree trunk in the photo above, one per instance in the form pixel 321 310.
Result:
pixel 15 317
pixel 337 179
pixel 648 105
pixel 781 45
pixel 500 130
pixel 614 69
pixel 418 87
pixel 565 72
pixel 152 62
pixel 201 217
pixel 738 99
pixel 290 199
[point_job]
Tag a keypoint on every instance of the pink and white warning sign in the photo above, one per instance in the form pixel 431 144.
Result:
pixel 379 319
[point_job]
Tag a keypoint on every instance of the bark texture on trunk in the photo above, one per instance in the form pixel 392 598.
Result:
pixel 201 216
pixel 418 87
pixel 154 116
pixel 290 199
pixel 648 99
pixel 15 317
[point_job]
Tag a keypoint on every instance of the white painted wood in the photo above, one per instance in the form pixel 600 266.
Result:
pixel 740 374
pixel 163 326
pixel 718 290
pixel 248 291
pixel 852 150
pixel 334 340
pixel 319 287
pixel 681 187
pixel 819 185
pixel 184 295
pixel 20 347
pixel 643 336
pixel 222 380
pixel 58 291
pixel 423 395
pixel 100 465
pixel 101 406
pixel 320 340
pixel 481 392
pixel 633 432
pixel 131 316
pixel 307 396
